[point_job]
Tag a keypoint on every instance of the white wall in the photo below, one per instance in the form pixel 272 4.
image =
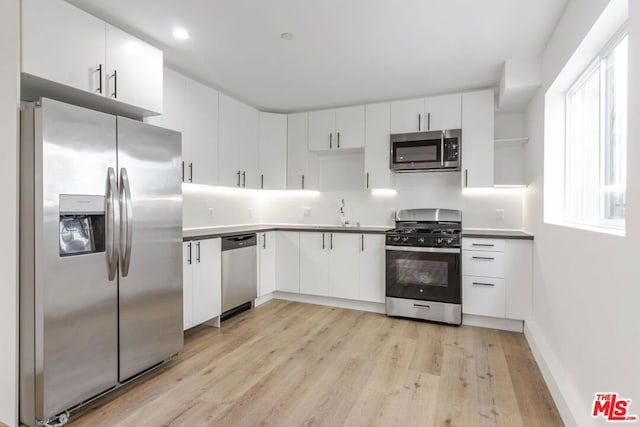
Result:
pixel 586 289
pixel 9 105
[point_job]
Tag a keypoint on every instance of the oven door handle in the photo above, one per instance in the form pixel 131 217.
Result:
pixel 422 249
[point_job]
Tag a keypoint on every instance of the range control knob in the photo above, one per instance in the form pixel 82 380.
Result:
pixel 439 240
pixel 405 239
pixel 421 240
pixel 396 239
pixel 449 240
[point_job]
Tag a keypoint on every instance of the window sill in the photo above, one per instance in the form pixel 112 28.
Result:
pixel 603 230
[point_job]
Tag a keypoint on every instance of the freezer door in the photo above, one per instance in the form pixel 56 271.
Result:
pixel 74 306
pixel 150 296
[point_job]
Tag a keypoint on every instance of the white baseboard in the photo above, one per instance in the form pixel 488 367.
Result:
pixel 492 322
pixel 261 300
pixel 331 302
pixel 563 393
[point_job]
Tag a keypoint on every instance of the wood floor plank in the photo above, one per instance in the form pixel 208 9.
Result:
pixel 293 364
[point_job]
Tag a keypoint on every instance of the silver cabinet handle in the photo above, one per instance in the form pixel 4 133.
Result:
pixel 264 240
pixel 362 242
pixel 244 178
pixel 419 122
pixel 484 258
pixel 238 178
pixel 367 180
pixel 198 252
pixel 126 221
pixel 262 181
pixel 183 171
pixel 428 121
pixel 99 71
pixel 330 140
pixel 114 94
pixel 303 182
pixel 322 240
pixel 422 306
pixel 331 241
pixel 486 245
pixel 466 177
pixel 483 284
pixel 338 135
pixel 190 172
pixel 112 228
pixel 189 258
pixel 442 149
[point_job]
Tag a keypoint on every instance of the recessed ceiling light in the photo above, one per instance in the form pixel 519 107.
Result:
pixel 181 34
pixel 286 36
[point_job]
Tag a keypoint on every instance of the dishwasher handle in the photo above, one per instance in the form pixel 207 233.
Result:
pixel 239 241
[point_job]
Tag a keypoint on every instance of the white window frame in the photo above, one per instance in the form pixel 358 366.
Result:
pixel 597 64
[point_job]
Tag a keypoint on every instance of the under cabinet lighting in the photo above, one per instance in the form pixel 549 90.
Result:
pixel 383 192
pixel 497 190
pixel 210 189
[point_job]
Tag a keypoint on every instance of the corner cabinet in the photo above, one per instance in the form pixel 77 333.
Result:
pixel 273 151
pixel 302 165
pixel 202 281
pixel 477 138
pixel 68 53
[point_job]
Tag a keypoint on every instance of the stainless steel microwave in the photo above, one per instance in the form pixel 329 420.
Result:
pixel 426 151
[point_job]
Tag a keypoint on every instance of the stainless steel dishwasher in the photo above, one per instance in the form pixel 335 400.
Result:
pixel 239 273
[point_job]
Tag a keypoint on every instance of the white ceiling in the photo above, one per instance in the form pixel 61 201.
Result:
pixel 344 51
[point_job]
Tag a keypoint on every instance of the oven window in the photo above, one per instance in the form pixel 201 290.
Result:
pixel 422 272
pixel 415 153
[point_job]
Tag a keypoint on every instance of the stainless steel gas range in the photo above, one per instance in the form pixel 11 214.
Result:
pixel 423 279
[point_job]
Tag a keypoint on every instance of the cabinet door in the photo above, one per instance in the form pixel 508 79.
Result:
pixel 322 126
pixel 407 116
pixel 344 265
pixel 314 264
pixel 288 261
pixel 200 133
pixel 273 151
pixel 302 166
pixel 372 267
pixel 63 44
pixel 207 279
pixel 187 285
pixel 267 256
pixel 477 138
pixel 139 70
pixel 350 127
pixel 376 154
pixel 483 296
pixel 444 112
pixel 518 257
pixel 233 116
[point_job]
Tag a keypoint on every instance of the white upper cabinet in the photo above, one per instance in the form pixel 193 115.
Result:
pixel 407 115
pixel 192 109
pixel 134 70
pixel 477 138
pixel 273 151
pixel 377 173
pixel 443 112
pixel 63 45
pixel 338 129
pixel 238 144
pixel 427 114
pixel 302 166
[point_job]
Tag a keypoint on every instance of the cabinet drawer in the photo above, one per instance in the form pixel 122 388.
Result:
pixel 483 263
pixel 483 296
pixel 490 245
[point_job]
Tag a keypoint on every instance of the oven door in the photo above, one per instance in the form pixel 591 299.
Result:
pixel 417 151
pixel 428 274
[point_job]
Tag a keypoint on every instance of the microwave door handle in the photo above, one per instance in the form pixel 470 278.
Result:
pixel 442 149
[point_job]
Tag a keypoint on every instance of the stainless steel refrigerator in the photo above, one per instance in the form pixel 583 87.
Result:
pixel 100 254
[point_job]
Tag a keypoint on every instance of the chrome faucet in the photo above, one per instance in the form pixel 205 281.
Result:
pixel 343 219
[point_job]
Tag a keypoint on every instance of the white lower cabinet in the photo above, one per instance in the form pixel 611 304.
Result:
pixel 372 268
pixel 497 280
pixel 202 281
pixel 288 261
pixel 314 263
pixel 344 265
pixel 267 263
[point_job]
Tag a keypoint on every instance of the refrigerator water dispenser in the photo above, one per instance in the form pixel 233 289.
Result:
pixel 82 222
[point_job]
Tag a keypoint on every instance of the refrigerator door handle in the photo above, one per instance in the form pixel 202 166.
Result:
pixel 126 221
pixel 112 226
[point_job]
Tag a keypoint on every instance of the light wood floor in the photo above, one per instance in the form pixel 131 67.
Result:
pixel 292 364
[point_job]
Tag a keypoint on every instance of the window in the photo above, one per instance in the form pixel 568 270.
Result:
pixel 596 141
